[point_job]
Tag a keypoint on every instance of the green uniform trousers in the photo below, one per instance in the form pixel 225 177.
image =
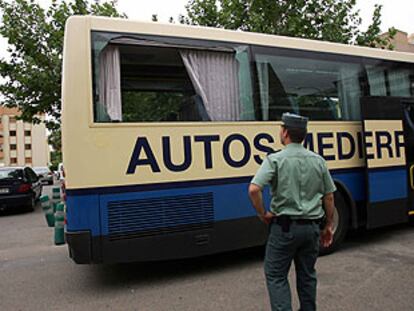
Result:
pixel 301 245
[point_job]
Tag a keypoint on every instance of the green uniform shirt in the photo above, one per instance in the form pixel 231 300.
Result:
pixel 298 178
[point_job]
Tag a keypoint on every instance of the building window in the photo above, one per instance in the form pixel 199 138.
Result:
pixel 12 119
pixel 28 146
pixel 13 160
pixel 12 133
pixel 13 147
pixel 27 133
pixel 28 160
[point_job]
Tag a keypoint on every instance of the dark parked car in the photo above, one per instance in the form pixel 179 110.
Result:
pixel 45 174
pixel 19 187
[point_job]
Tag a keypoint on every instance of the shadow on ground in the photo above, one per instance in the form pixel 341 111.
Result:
pixel 362 238
pixel 155 273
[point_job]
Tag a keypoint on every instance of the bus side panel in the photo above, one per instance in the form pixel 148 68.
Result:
pixel 82 214
pixel 354 180
pixel 83 228
pixel 221 202
pixel 230 201
pixel 175 222
pixel 179 222
pixel 389 184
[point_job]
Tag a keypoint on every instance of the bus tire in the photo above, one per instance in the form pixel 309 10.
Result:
pixel 341 224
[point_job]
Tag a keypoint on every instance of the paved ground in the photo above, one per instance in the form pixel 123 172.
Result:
pixel 372 272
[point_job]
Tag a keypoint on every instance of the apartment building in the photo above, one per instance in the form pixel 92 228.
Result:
pixel 402 41
pixel 22 143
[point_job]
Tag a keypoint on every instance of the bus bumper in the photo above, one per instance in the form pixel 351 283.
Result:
pixel 223 236
pixel 80 246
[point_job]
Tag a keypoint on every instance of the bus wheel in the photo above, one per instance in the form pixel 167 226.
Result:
pixel 340 226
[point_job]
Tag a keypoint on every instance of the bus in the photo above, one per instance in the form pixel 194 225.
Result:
pixel 164 126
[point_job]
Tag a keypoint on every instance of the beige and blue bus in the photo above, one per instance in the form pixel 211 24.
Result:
pixel 164 126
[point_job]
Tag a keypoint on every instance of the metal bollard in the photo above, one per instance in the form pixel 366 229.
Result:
pixel 48 210
pixel 60 224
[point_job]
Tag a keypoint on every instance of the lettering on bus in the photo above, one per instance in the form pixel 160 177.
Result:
pixel 378 144
pixel 333 146
pixel 384 143
pixel 143 154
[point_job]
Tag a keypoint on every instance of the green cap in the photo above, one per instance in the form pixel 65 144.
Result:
pixel 294 120
pixel 44 198
pixel 60 207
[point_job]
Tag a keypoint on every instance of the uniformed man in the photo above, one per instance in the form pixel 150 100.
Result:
pixel 302 193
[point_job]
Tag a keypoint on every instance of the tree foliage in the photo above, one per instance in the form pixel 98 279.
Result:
pixel 328 20
pixel 153 106
pixel 32 73
pixel 55 141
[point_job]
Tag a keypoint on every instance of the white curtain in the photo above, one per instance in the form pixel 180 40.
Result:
pixel 376 80
pixel 349 93
pixel 399 82
pixel 215 78
pixel 110 83
pixel 262 70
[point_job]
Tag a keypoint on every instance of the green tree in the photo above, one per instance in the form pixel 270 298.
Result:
pixel 328 20
pixel 55 141
pixel 152 106
pixel 32 72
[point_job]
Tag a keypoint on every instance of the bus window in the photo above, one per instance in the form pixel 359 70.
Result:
pixel 149 83
pixel 143 84
pixel 400 83
pixel 155 86
pixel 389 81
pixel 319 89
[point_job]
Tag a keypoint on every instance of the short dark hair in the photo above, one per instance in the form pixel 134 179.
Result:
pixel 297 135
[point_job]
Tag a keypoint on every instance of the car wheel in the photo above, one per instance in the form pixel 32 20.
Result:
pixel 340 226
pixel 31 205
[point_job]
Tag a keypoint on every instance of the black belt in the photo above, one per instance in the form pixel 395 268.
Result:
pixel 285 221
pixel 279 220
pixel 306 221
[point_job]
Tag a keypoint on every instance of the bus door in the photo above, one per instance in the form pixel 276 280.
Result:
pixel 408 110
pixel 388 131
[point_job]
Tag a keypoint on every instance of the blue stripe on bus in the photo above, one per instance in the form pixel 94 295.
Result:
pixel 82 213
pixel 354 180
pixel 230 200
pixel 387 184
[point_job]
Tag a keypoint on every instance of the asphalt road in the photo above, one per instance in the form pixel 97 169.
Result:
pixel 374 271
